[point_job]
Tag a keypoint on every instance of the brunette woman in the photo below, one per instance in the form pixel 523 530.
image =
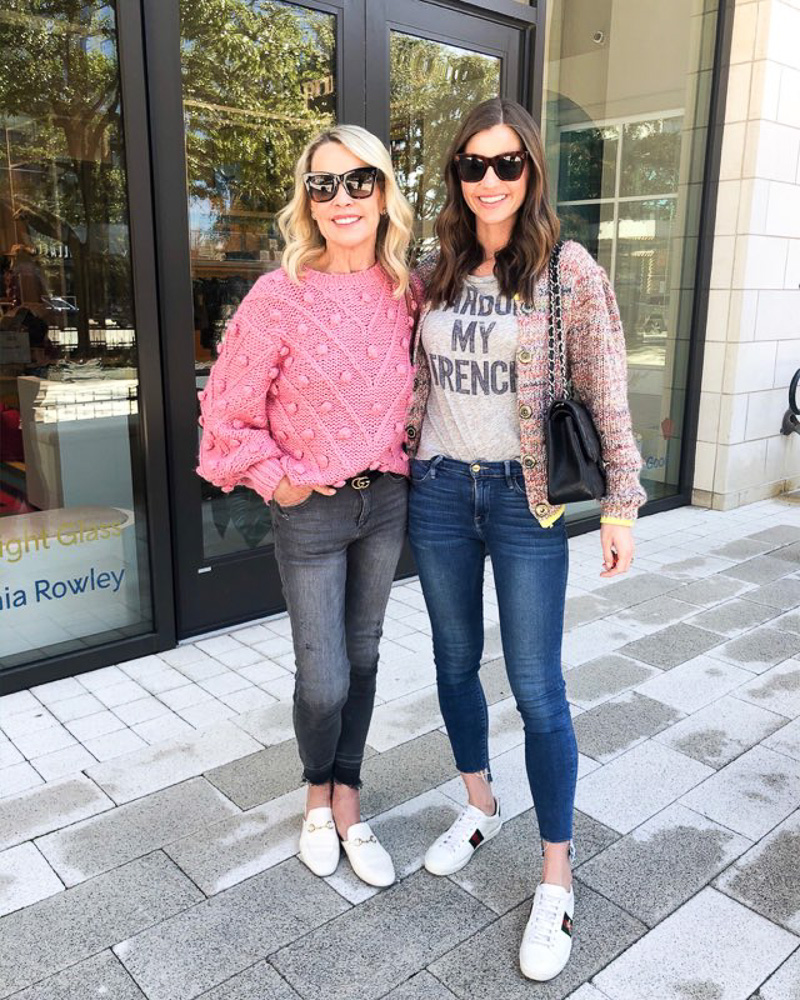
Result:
pixel 479 482
pixel 306 406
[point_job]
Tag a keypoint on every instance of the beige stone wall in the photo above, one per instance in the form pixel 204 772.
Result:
pixel 753 333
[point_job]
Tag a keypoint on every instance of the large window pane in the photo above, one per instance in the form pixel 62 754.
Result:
pixel 258 83
pixel 432 87
pixel 73 532
pixel 625 118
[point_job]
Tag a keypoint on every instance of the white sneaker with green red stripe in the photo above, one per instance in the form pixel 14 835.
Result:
pixel 547 941
pixel 450 852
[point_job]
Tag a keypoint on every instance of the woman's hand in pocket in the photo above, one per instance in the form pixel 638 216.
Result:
pixel 287 495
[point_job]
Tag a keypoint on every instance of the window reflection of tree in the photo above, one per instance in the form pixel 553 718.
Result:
pixel 432 87
pixel 65 173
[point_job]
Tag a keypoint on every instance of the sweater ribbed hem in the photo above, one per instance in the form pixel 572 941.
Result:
pixel 264 477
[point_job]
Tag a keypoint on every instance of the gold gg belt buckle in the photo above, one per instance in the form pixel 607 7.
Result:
pixel 360 482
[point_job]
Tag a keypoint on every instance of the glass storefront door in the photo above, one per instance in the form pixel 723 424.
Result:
pixel 74 536
pixel 256 79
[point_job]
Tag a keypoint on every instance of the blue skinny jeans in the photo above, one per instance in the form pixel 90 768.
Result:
pixel 459 513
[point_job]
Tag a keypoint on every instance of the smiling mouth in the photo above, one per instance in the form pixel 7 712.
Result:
pixel 347 220
pixel 493 199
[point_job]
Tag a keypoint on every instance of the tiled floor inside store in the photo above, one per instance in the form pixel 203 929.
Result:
pixel 150 811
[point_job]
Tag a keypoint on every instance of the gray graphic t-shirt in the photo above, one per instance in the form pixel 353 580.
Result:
pixel 471 349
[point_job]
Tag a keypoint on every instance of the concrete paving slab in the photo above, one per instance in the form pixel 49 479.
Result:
pixel 782 595
pixel 695 566
pixel 732 618
pixel 587 992
pixel 269 725
pixel 259 777
pixel 99 976
pixel 672 645
pixel 587 642
pixel 750 795
pixel 585 608
pixel 721 731
pixel 190 953
pixel 507 870
pixel 404 718
pixel 606 731
pixel 652 616
pixel 505 726
pixel 783 984
pixel 759 649
pixel 785 740
pixel 109 840
pixel 25 878
pixel 487 964
pixel 405 673
pixel 423 986
pixel 259 982
pixel 404 772
pixel 418 919
pixel 635 786
pixel 789 622
pixel 241 845
pixel 67 928
pixel 49 807
pixel 171 762
pixel 742 549
pixel 697 952
pixel 777 690
pixel 494 680
pixel 692 685
pixel 767 877
pixel 778 534
pixel 710 591
pixel 658 866
pixel 596 681
pixel 760 570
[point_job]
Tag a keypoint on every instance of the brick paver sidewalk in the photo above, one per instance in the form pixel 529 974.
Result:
pixel 150 811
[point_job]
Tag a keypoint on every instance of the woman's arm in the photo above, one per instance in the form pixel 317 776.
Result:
pixel 237 447
pixel 597 360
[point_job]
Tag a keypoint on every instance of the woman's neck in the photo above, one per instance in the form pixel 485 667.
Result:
pixel 492 238
pixel 338 260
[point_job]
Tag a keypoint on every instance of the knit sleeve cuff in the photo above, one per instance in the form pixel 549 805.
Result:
pixel 624 521
pixel 264 476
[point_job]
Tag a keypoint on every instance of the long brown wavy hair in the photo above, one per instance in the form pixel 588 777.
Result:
pixel 536 228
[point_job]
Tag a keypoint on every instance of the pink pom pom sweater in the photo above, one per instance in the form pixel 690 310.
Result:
pixel 313 382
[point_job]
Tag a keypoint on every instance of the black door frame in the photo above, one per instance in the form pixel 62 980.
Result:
pixel 151 478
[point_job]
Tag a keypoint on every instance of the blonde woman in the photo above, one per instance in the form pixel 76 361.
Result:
pixel 306 405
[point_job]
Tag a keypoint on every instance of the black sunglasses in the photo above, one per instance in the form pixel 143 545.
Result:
pixel 508 166
pixel 359 183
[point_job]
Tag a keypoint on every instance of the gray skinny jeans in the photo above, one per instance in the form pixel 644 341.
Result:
pixel 337 558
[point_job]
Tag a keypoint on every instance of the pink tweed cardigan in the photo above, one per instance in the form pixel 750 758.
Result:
pixel 313 383
pixel 597 363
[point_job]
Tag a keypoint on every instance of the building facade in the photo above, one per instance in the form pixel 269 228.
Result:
pixel 147 147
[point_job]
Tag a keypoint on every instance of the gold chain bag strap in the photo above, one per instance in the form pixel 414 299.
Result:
pixel 575 468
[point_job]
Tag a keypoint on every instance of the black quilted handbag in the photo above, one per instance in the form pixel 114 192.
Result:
pixel 575 468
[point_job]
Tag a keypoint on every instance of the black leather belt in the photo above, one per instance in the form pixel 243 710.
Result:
pixel 364 479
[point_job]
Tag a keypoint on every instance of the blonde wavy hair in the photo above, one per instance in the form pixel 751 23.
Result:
pixel 304 242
